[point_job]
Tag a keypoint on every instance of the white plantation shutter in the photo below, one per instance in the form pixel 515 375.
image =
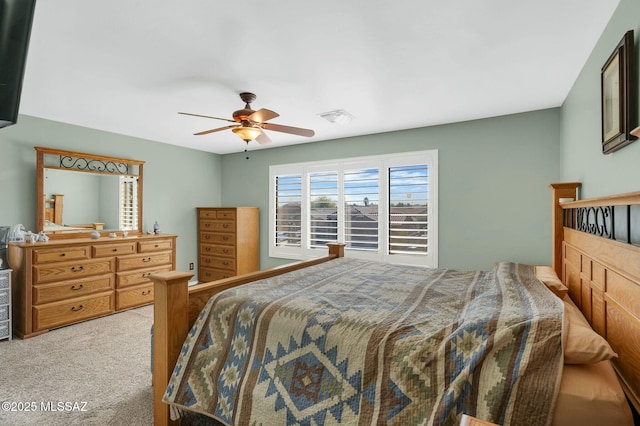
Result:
pixel 380 207
pixel 128 216
pixel 361 212
pixel 323 203
pixel 408 219
pixel 288 214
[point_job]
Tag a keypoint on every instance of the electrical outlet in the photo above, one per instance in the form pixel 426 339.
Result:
pixel 191 266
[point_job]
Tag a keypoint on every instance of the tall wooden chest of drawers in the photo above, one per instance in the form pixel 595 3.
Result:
pixel 228 242
pixel 62 282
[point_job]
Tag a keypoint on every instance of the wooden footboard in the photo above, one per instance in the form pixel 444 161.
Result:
pixel 176 307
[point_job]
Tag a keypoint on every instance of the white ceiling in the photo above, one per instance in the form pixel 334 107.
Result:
pixel 128 66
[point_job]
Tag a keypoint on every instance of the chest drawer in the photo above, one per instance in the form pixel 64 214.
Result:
pixel 70 270
pixel 61 254
pixel 154 245
pixel 105 250
pixel 217 214
pixel 211 238
pixel 78 309
pixel 127 263
pixel 205 274
pixel 217 263
pixel 72 288
pixel 214 250
pixel 127 279
pixel 218 225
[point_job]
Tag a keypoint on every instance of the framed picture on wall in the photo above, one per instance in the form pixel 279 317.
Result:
pixel 617 93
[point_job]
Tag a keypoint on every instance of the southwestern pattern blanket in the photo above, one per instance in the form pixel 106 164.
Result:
pixel 362 343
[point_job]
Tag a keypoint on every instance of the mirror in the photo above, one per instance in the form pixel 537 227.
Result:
pixel 80 193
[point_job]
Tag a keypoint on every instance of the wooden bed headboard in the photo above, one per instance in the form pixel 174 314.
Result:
pixel 596 251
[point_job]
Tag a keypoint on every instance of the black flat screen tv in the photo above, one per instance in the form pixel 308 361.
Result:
pixel 16 17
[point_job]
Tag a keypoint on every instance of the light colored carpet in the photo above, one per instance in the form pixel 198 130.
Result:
pixel 99 366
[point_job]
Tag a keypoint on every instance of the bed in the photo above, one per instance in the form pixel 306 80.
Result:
pixel 545 387
pixel 53 208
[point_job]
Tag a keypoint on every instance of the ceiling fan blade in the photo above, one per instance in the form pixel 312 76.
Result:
pixel 262 115
pixel 206 116
pixel 288 129
pixel 263 139
pixel 206 132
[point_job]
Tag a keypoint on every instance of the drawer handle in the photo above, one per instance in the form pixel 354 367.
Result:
pixel 146 274
pixel 145 292
pixel 225 238
pixel 63 254
pixel 207 225
pixel 77 308
pixel 146 259
pixel 77 287
pixel 225 263
pixel 78 269
pixel 207 249
pixel 206 237
pixel 115 249
pixel 225 226
pixel 225 251
pixel 157 245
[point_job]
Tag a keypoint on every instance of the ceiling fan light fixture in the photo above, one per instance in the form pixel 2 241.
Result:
pixel 338 116
pixel 247 133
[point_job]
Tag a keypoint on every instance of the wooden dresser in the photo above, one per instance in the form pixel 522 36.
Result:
pixel 61 282
pixel 228 242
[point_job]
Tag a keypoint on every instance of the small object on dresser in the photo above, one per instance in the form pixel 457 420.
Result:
pixel 125 233
pixel 156 228
pixel 95 235
pixel 42 237
pixel 112 235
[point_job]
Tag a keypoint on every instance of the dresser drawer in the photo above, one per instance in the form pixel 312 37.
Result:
pixel 4 329
pixel 57 314
pixel 218 225
pixel 205 275
pixel 212 238
pixel 72 288
pixel 105 250
pixel 218 263
pixel 154 245
pixel 4 312
pixel 134 297
pixel 5 282
pixel 70 270
pixel 62 254
pixel 214 250
pixel 127 263
pixel 218 214
pixel 127 279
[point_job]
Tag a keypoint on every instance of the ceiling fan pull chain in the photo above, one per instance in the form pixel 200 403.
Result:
pixel 245 149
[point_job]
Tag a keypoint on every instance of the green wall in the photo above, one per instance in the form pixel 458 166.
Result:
pixel 176 180
pixel 494 203
pixel 581 157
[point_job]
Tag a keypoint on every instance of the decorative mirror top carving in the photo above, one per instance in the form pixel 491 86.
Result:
pixel 79 193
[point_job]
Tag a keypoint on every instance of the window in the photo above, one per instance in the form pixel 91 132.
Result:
pixel 381 207
pixel 128 215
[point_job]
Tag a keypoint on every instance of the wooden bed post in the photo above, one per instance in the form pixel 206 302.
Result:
pixel 558 191
pixel 171 325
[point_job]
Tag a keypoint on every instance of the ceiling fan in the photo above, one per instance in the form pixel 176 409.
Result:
pixel 248 124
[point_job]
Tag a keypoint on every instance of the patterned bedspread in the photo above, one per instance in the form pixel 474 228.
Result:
pixel 361 343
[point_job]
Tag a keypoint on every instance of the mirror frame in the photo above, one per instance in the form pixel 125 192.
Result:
pixel 40 199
